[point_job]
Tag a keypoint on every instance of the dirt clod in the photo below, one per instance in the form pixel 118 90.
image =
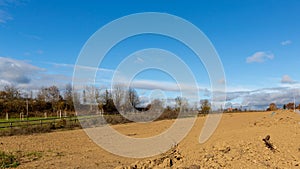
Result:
pixel 268 143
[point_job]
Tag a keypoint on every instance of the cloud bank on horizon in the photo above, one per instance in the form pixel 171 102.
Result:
pixel 27 76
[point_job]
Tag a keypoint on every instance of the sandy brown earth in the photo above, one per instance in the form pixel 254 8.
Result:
pixel 237 143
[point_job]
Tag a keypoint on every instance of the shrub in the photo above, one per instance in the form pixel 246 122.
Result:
pixel 61 123
pixel 25 130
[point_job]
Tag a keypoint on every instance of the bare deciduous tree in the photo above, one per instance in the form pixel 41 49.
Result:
pixel 90 97
pixel 132 100
pixel 50 94
pixel 118 94
pixel 11 92
pixel 181 103
pixel 68 96
pixel 157 105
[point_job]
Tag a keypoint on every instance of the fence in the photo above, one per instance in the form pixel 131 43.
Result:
pixel 41 122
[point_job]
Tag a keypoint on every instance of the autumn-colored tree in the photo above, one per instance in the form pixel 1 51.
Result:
pixel 290 106
pixel 272 107
pixel 205 106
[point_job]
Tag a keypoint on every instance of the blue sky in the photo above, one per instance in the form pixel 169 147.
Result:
pixel 257 41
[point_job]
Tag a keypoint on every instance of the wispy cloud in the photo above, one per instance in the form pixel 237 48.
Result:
pixel 11 2
pixel 222 81
pixel 260 57
pixel 85 75
pixel 285 43
pixel 27 53
pixel 139 60
pixel 152 85
pixel 287 79
pixel 4 17
pixel 38 52
pixel 30 36
pixel 81 67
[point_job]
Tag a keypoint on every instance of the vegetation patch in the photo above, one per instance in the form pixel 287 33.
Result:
pixel 31 156
pixel 8 160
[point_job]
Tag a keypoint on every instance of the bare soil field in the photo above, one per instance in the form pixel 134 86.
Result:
pixel 237 143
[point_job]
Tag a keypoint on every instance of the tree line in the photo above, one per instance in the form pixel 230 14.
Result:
pixel 91 100
pixel 288 106
pixel 15 101
pixel 88 100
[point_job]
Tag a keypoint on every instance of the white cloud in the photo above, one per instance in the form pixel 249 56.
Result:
pixel 261 98
pixel 16 71
pixel 279 96
pixel 287 79
pixel 260 57
pixel 27 76
pixel 287 42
